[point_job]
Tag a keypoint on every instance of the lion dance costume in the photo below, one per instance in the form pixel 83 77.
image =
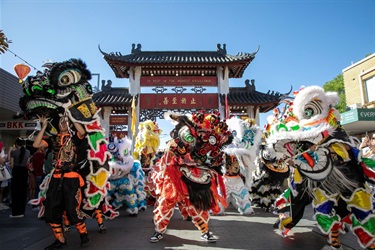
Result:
pixel 145 149
pixel 147 143
pixel 327 169
pixel 127 178
pixel 63 92
pixel 239 163
pixel 187 172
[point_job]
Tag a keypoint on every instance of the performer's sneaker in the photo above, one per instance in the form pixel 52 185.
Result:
pixel 285 232
pixel 56 245
pixel 208 237
pixel 102 229
pixel 156 237
pixel 84 239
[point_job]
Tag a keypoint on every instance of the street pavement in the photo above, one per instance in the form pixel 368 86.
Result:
pixel 233 231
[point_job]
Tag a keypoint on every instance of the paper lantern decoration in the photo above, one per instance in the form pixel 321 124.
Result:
pixel 22 71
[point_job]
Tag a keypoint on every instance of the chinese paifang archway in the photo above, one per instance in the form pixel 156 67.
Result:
pixel 178 81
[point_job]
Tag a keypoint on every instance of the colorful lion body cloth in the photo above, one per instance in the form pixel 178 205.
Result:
pixel 326 168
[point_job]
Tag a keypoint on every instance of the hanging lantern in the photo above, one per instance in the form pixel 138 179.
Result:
pixel 22 71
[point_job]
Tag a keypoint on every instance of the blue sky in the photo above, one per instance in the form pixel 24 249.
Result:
pixel 302 42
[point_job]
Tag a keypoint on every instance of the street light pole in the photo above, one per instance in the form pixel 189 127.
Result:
pixel 98 75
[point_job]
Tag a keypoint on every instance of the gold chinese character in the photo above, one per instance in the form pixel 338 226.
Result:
pixel 183 100
pixel 193 101
pixel 174 100
pixel 165 101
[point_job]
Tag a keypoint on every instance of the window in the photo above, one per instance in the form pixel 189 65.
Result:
pixel 370 89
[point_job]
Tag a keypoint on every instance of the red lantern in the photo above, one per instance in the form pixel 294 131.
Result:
pixel 22 71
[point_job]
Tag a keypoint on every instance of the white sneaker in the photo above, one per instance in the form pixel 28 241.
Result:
pixel 16 216
pixel 3 206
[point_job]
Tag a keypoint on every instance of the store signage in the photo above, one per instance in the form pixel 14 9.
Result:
pixel 148 81
pixel 17 125
pixel 355 115
pixel 179 101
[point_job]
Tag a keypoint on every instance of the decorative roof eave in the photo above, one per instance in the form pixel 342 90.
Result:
pixel 240 98
pixel 114 97
pixel 121 64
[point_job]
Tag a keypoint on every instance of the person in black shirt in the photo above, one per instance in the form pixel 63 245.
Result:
pixel 65 188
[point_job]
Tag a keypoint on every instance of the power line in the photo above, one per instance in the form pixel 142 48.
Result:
pixel 22 59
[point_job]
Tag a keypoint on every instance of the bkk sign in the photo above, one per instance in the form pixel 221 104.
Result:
pixel 179 101
pixel 148 81
pixel 17 125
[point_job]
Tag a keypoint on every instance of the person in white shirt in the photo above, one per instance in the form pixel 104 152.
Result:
pixel 368 147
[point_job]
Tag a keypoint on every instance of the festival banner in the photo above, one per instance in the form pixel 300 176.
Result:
pixel 149 81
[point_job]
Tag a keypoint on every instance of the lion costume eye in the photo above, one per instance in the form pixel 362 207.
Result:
pixel 125 152
pixel 186 136
pixel 69 77
pixel 312 108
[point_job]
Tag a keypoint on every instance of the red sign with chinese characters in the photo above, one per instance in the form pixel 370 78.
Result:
pixel 179 101
pixel 118 120
pixel 148 81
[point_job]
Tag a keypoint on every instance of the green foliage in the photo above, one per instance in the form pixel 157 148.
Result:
pixel 337 85
pixel 4 42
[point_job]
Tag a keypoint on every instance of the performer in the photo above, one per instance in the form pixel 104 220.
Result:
pixel 187 172
pixel 327 166
pixel 64 192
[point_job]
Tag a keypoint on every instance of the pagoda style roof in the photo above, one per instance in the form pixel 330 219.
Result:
pixel 183 63
pixel 239 98
pixel 117 98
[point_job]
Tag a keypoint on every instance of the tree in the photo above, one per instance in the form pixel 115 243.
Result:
pixel 4 42
pixel 337 85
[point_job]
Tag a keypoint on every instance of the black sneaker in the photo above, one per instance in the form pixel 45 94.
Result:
pixel 156 237
pixel 56 245
pixel 102 229
pixel 208 237
pixel 84 239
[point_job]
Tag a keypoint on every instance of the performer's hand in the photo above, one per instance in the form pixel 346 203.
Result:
pixel 43 120
pixel 290 162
